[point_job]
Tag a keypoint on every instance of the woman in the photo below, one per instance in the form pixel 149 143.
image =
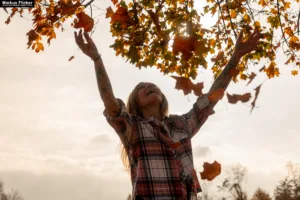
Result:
pixel 158 146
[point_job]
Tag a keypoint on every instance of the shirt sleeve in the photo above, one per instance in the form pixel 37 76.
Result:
pixel 122 123
pixel 197 116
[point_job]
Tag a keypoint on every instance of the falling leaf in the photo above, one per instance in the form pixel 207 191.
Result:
pixel 294 72
pixel 257 90
pixel 85 22
pixel 109 12
pixel 233 99
pixel 210 170
pixel 251 77
pixel 186 85
pixel 71 58
pixel 197 88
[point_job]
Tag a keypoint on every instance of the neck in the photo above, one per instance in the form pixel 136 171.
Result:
pixel 152 111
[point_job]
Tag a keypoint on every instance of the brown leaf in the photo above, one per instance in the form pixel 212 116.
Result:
pixel 121 16
pixel 251 77
pixel 197 88
pixel 233 99
pixel 109 12
pixel 186 85
pixel 85 22
pixel 210 170
pixel 257 90
pixel 71 58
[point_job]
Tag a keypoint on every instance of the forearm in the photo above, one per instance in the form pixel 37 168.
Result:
pixel 110 102
pixel 222 81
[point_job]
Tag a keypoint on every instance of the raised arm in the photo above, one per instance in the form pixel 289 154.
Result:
pixel 110 102
pixel 242 48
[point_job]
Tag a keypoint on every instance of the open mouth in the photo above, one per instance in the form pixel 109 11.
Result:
pixel 150 92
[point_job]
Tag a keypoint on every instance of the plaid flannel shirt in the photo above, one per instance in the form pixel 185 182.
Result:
pixel 160 152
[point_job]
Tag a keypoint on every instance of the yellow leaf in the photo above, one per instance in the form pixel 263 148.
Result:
pixel 287 5
pixel 232 14
pixel 247 18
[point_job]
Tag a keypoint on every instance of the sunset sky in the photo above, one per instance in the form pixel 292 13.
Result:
pixel 56 144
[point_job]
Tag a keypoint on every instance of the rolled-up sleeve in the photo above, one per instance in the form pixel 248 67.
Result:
pixel 122 123
pixel 197 116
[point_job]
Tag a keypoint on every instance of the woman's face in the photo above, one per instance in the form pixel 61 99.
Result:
pixel 148 94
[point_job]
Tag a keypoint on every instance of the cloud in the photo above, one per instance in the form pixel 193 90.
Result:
pixel 201 151
pixel 79 186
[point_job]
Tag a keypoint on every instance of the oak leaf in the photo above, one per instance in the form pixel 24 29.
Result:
pixel 210 170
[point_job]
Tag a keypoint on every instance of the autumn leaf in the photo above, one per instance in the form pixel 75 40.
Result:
pixel 234 98
pixel 114 1
pixel 257 90
pixel 85 22
pixel 210 170
pixel 71 58
pixel 197 88
pixel 109 12
pixel 272 70
pixel 186 85
pixel 294 72
pixel 185 45
pixel 121 16
pixel 39 47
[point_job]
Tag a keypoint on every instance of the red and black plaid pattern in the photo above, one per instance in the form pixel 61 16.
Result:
pixel 160 152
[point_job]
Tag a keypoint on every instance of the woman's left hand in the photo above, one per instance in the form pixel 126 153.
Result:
pixel 244 47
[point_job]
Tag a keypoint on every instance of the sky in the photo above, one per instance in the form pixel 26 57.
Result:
pixel 56 144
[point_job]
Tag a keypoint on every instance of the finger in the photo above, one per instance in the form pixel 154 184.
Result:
pixel 76 37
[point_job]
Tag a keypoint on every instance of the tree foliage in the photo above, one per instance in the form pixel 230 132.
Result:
pixel 260 194
pixel 170 35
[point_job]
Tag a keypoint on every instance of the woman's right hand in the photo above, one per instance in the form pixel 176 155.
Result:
pixel 88 48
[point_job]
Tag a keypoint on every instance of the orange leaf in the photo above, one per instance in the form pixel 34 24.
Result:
pixel 114 1
pixel 109 12
pixel 237 97
pixel 210 170
pixel 294 72
pixel 85 22
pixel 186 85
pixel 39 47
pixel 185 45
pixel 121 16
pixel 70 10
pixel 71 58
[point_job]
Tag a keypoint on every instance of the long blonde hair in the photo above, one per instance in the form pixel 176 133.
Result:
pixel 133 108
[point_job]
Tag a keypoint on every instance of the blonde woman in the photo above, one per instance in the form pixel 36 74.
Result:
pixel 157 146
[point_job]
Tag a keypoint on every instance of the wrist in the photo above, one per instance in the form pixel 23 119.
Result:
pixel 95 58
